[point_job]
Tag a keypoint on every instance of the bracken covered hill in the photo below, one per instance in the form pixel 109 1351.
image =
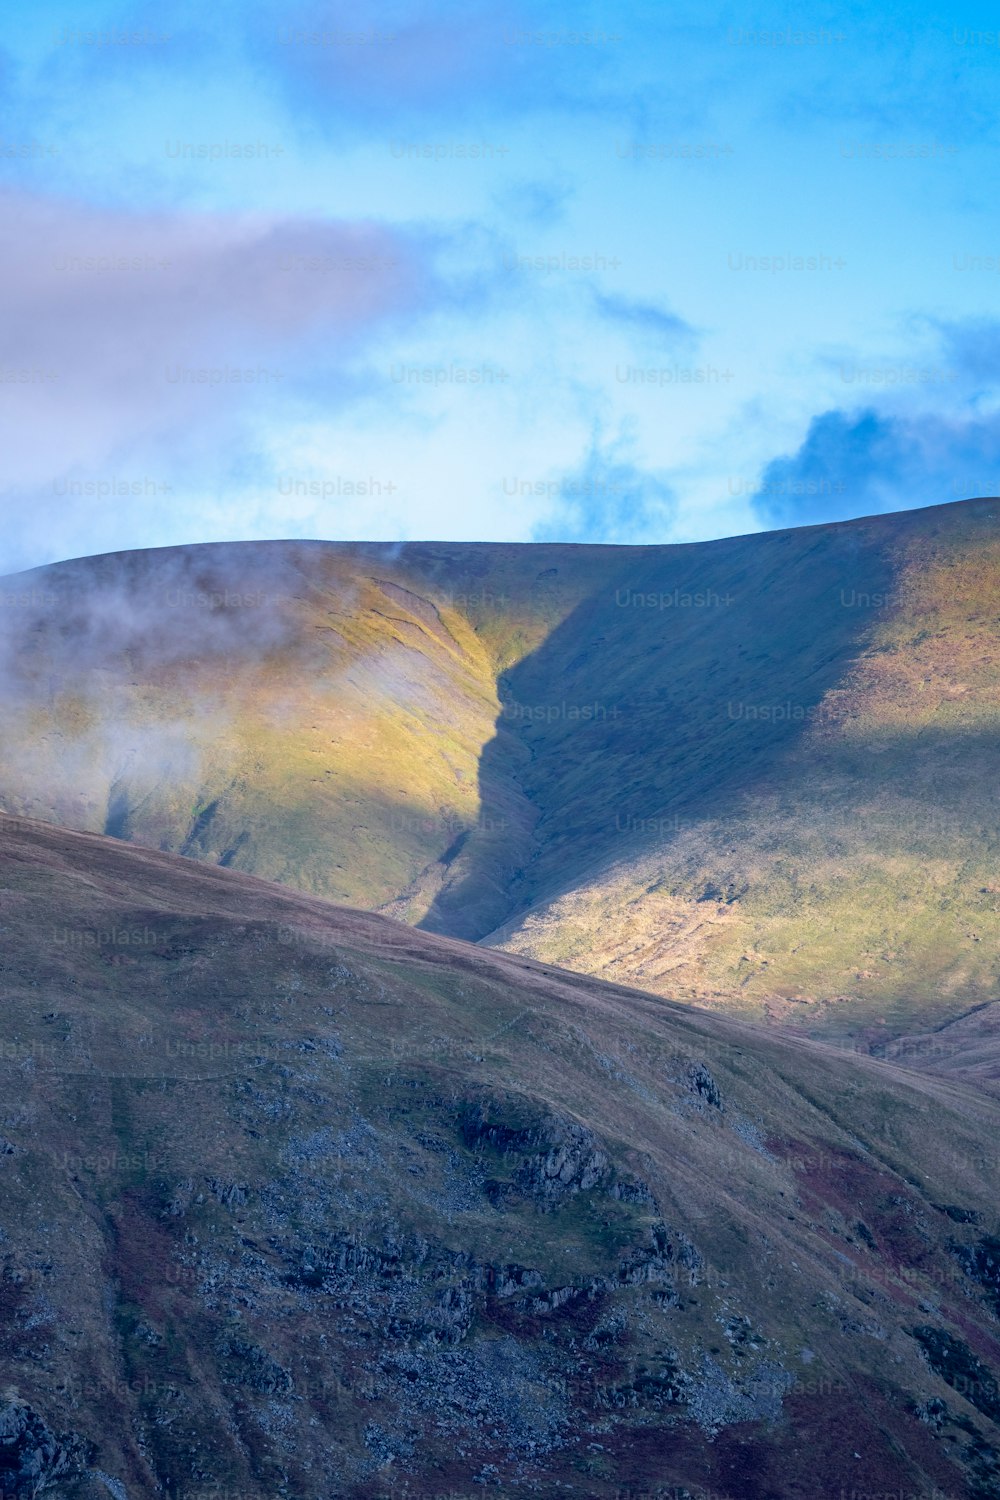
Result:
pixel 758 774
pixel 299 1201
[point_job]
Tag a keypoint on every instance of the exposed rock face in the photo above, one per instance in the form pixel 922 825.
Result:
pixel 981 1262
pixel 549 1158
pixel 32 1458
pixel 303 1203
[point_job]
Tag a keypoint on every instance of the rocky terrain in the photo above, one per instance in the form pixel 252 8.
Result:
pixel 299 1201
pixel 757 774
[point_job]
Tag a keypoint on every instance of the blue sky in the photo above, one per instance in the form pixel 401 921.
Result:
pixel 529 271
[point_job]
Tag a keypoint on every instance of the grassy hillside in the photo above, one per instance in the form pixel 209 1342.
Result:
pixel 287 710
pixel 803 790
pixel 298 1201
pixel 758 774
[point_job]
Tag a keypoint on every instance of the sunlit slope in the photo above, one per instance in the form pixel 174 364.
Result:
pixel 295 710
pixel 760 773
pixel 808 821
pixel 298 1201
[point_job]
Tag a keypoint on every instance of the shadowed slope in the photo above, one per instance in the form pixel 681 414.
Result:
pixel 792 806
pixel 757 773
pixel 314 713
pixel 646 709
pixel 298 1200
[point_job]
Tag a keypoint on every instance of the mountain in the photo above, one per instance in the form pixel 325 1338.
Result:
pixel 300 1201
pixel 756 774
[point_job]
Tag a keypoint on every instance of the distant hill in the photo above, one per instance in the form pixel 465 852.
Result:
pixel 295 1200
pixel 758 774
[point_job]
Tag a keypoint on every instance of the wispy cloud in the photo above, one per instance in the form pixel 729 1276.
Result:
pixel 609 498
pixel 631 161
pixel 415 63
pixel 644 318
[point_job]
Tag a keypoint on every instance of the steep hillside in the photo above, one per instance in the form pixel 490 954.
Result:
pixel 797 811
pixel 967 1047
pixel 299 1201
pixel 758 773
pixel 313 713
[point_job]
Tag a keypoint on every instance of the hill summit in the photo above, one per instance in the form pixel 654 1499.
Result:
pixel 756 774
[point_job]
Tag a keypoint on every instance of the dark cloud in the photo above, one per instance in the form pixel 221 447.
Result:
pixel 863 463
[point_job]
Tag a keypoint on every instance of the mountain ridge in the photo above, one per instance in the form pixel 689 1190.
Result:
pixel 780 805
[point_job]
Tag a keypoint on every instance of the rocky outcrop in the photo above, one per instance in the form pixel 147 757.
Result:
pixel 954 1361
pixel 548 1157
pixel 271 1238
pixel 32 1457
pixel 981 1263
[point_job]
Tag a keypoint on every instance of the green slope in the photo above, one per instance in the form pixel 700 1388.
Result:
pixel 803 795
pixel 298 1201
pixel 758 773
